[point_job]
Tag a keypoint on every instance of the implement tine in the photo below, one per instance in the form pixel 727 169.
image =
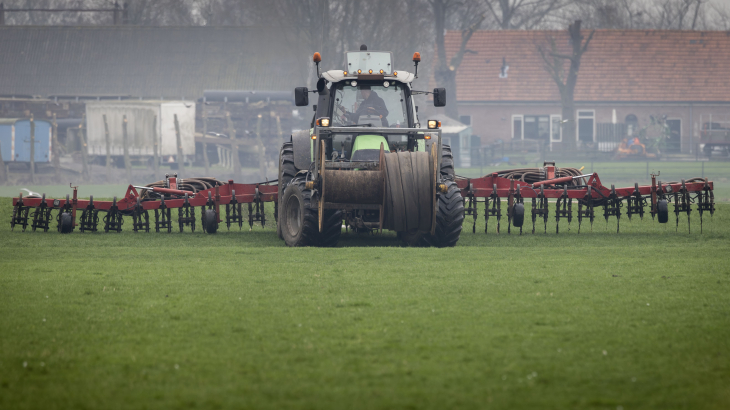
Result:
pixel 705 202
pixel 20 214
pixel 494 210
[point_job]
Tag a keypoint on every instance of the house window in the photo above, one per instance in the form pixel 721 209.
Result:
pixel 517 127
pixel 536 127
pixel 632 124
pixel 586 126
pixel 556 131
pixel 465 119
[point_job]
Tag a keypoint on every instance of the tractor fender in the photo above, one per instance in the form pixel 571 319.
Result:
pixel 302 145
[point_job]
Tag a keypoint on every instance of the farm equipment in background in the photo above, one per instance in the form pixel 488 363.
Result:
pixel 715 134
pixel 160 197
pixel 568 185
pixel 632 148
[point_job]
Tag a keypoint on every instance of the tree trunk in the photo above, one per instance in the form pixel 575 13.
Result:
pixel 107 139
pixel 180 154
pixel 566 85
pixel 55 149
pixel 125 147
pixel 3 175
pixel 569 125
pixel 32 149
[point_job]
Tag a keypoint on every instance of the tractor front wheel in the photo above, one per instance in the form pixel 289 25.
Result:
pixel 449 217
pixel 299 221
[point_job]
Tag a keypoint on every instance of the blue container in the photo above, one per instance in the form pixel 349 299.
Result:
pixel 15 140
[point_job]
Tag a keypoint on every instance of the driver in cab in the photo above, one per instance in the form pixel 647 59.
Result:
pixel 372 105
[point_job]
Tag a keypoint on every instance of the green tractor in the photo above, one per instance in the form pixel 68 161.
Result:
pixel 368 161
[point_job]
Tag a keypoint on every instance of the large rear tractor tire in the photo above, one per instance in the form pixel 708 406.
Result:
pixel 299 222
pixel 449 218
pixel 287 171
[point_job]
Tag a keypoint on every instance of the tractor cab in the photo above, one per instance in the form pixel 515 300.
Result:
pixel 368 94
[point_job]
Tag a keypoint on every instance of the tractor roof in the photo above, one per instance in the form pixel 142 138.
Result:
pixel 335 76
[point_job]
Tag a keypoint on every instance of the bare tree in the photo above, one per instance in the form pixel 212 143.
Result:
pixel 3 176
pixel 522 14
pixel 720 17
pixel 554 63
pixel 160 12
pixel 648 14
pixel 608 14
pixel 445 70
pixel 138 12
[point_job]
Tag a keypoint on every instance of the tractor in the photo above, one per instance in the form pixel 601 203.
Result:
pixel 367 161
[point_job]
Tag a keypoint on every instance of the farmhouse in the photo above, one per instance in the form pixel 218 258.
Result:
pixel 674 82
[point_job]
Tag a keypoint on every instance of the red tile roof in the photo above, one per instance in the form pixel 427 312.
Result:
pixel 619 65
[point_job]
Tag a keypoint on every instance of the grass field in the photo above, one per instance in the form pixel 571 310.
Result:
pixel 596 320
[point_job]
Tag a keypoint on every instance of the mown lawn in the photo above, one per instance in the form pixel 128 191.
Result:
pixel 596 320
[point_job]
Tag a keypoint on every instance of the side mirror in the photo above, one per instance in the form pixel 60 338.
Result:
pixel 439 97
pixel 321 86
pixel 301 96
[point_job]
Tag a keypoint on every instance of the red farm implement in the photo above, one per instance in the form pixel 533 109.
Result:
pixel 570 194
pixel 159 198
pixel 568 187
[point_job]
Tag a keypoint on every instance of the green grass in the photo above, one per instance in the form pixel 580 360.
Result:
pixel 596 320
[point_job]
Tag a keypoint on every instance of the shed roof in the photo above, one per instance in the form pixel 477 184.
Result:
pixel 149 62
pixel 619 66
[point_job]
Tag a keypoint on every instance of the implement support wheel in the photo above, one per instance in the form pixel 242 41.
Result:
pixel 518 215
pixel 210 222
pixel 662 209
pixel 66 223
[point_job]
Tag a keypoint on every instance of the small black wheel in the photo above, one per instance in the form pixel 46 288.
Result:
pixel 518 215
pixel 67 225
pixel 662 209
pixel 210 222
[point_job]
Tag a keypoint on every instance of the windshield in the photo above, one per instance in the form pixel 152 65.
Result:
pixel 377 105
